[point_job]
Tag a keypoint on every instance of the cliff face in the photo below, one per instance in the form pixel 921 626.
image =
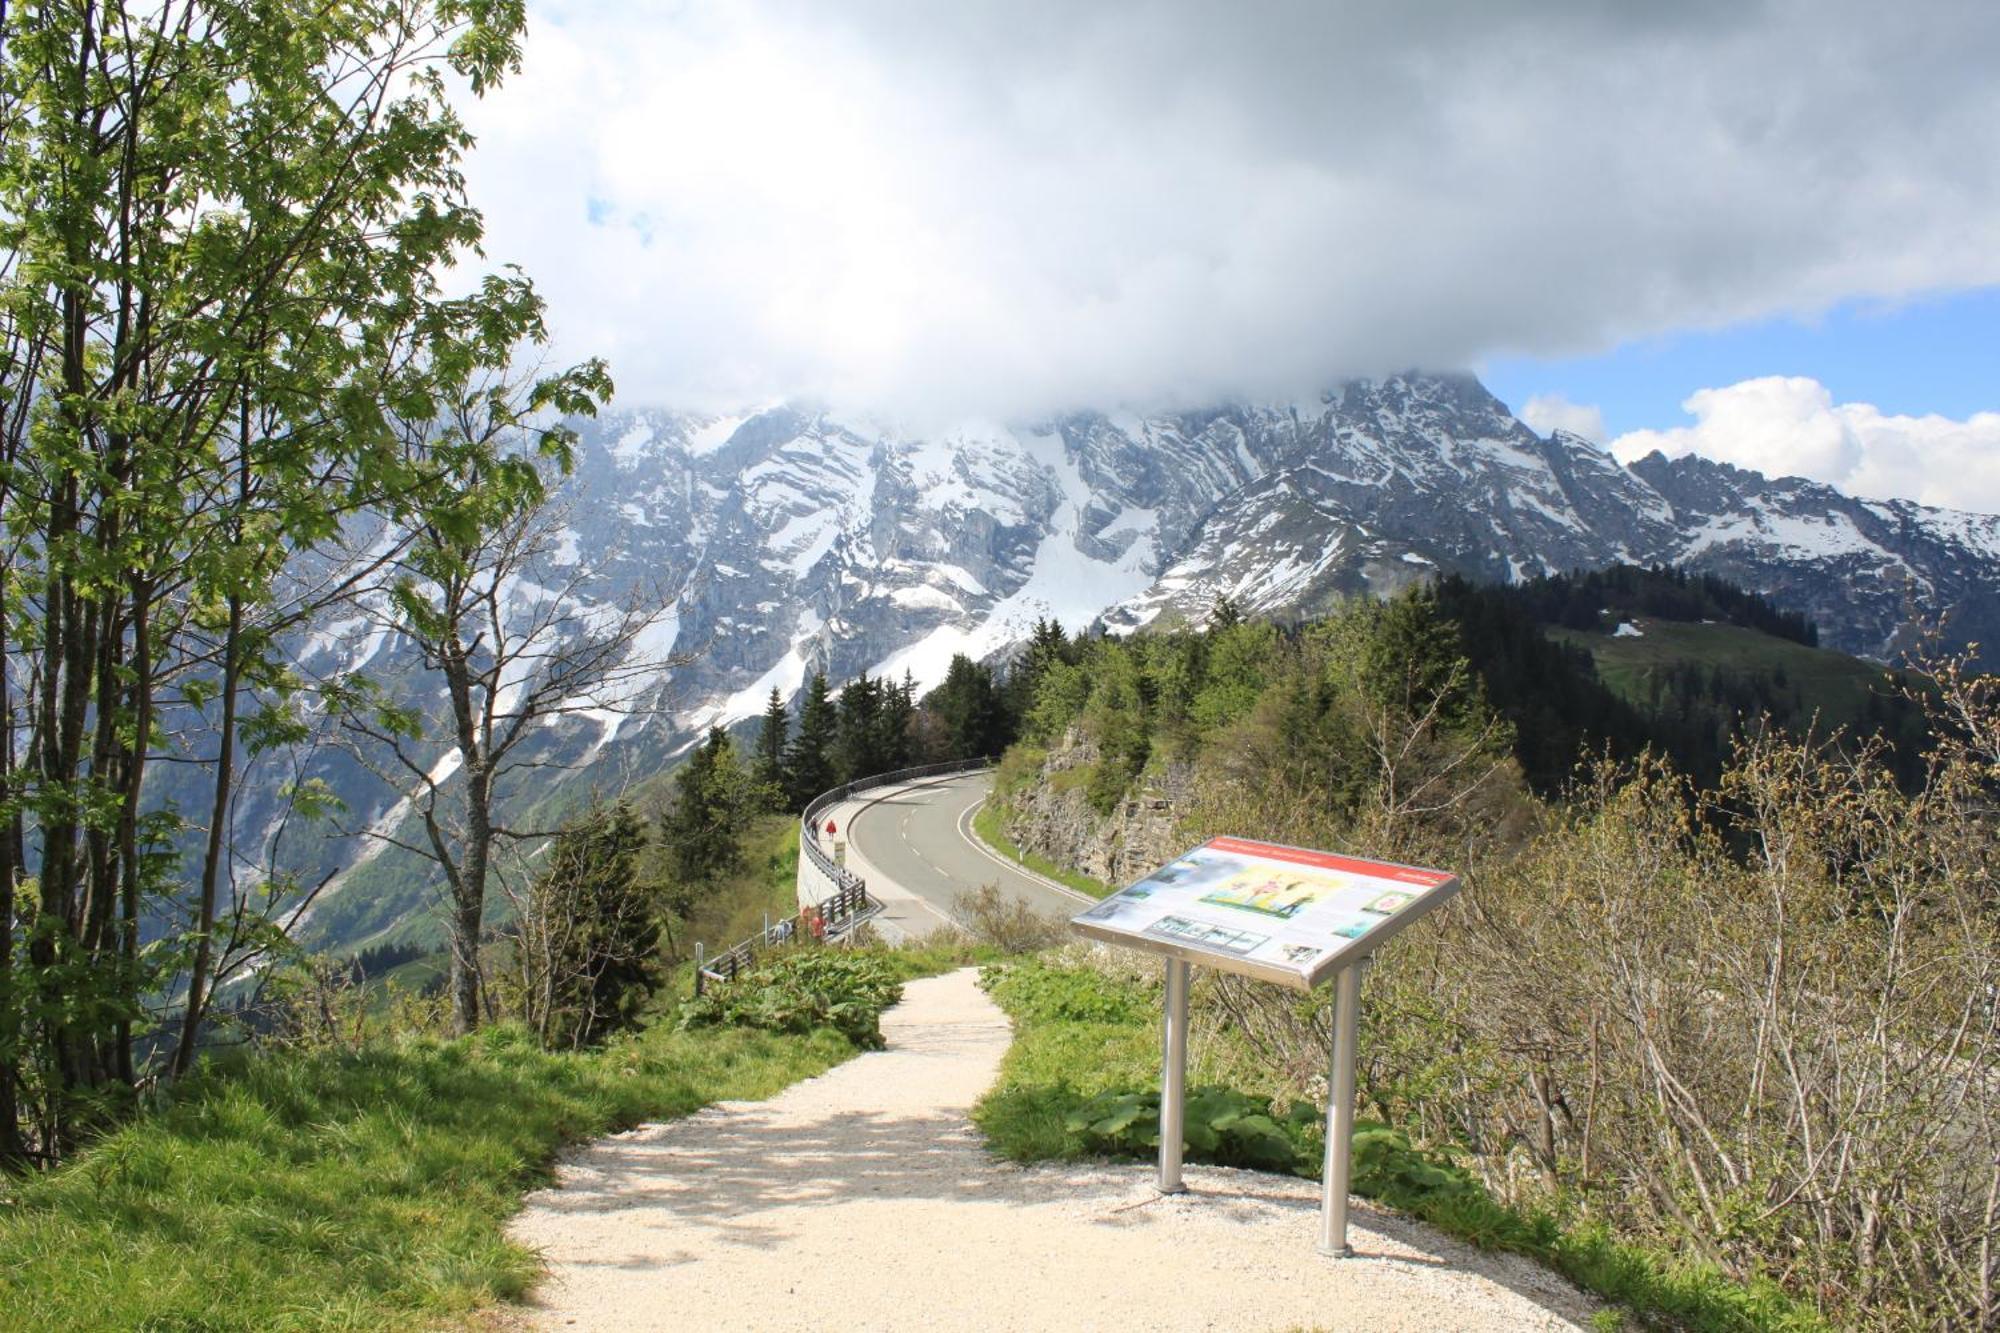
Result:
pixel 1051 815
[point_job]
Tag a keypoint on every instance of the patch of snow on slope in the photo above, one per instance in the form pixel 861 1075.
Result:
pixel 332 636
pixel 968 468
pixel 1627 630
pixel 787 676
pixel 646 658
pixel 803 540
pixel 1129 424
pixel 1507 454
pixel 706 439
pixel 924 598
pixel 1063 583
pixel 1978 532
pixel 1134 519
pixel 1814 538
pixel 628 449
pixel 1528 500
pixel 963 579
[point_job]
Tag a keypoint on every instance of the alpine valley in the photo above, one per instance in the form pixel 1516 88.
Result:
pixel 788 540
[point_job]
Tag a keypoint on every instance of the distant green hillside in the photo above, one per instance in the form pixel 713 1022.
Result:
pixel 1843 691
pixel 1700 661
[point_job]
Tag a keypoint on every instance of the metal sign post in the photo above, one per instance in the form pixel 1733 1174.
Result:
pixel 1281 914
pixel 1337 1170
pixel 1173 1076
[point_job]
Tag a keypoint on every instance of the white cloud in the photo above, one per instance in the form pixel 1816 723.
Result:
pixel 1004 206
pixel 1547 412
pixel 1791 427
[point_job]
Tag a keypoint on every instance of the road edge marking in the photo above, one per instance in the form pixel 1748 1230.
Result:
pixel 979 845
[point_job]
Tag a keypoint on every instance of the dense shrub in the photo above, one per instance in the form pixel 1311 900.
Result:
pixel 1221 1125
pixel 1006 923
pixel 1042 990
pixel 804 989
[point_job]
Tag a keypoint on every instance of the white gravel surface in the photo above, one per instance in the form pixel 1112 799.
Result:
pixel 863 1199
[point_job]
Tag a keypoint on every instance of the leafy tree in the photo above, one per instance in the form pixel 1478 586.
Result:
pixel 1117 718
pixel 703 828
pixel 1240 657
pixel 221 230
pixel 505 668
pixel 1059 698
pixel 767 771
pixel 809 759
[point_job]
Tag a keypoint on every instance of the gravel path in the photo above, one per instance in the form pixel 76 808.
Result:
pixel 863 1199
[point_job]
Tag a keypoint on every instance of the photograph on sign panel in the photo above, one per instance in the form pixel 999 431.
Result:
pixel 1282 896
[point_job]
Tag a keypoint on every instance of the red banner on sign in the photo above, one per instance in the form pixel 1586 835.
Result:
pixel 1328 861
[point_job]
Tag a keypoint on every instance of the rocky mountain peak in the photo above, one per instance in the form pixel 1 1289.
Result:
pixel 790 539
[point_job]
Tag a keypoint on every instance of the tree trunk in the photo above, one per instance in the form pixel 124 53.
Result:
pixel 13 1152
pixel 465 965
pixel 211 862
pixel 469 903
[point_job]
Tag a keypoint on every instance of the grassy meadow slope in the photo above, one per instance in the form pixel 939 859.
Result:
pixel 1831 684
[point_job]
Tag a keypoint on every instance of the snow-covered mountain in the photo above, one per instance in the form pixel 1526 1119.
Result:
pixel 789 539
pixel 804 539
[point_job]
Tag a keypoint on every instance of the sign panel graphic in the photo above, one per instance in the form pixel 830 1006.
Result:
pixel 1284 914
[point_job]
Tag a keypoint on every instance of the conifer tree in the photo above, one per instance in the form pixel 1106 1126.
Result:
pixel 586 933
pixel 859 753
pixel 809 762
pixel 767 772
pixel 899 711
pixel 1047 646
pixel 969 710
pixel 702 830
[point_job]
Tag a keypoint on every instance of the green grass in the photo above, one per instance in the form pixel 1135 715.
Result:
pixel 1078 1034
pixel 988 826
pixel 369 1190
pixel 347 1191
pixel 1834 684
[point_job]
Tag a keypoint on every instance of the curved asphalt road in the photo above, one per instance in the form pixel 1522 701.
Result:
pixel 920 840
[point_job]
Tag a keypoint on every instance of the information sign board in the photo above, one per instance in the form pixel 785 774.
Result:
pixel 1282 914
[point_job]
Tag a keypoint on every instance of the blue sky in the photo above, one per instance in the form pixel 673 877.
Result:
pixel 1940 355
